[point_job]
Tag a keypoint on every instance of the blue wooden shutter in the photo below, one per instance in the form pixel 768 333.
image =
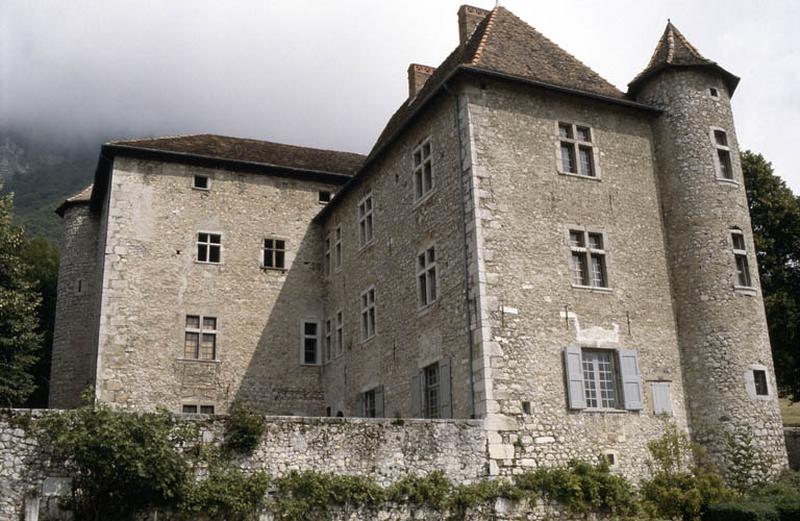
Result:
pixel 662 403
pixel 445 407
pixel 574 368
pixel 416 396
pixel 379 402
pixel 631 379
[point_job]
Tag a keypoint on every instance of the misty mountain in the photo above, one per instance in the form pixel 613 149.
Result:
pixel 42 171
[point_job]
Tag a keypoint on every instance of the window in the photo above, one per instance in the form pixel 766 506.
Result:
pixel 328 341
pixel 426 277
pixel 603 379
pixel 368 314
pixel 324 197
pixel 339 333
pixel 200 182
pixel 200 340
pixel 740 256
pixel 209 247
pixel 662 402
pixel 194 409
pixel 274 254
pixel 588 259
pixel 714 93
pixel 576 150
pixel 310 342
pixel 760 381
pixel 326 268
pixel 724 166
pixel 423 169
pixel 369 404
pixel 365 230
pixel 431 392
pixel 338 247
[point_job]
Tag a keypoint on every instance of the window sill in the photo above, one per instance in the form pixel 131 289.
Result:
pixel 593 289
pixel 215 361
pixel 205 263
pixel 424 310
pixel 599 410
pixel 746 290
pixel 579 176
pixel 365 341
pixel 419 202
pixel 278 270
pixel 201 189
pixel 367 245
pixel 726 181
pixel 304 364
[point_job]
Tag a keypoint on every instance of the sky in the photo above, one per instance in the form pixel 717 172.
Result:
pixel 329 73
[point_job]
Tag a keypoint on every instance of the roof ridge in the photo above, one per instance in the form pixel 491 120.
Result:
pixel 175 136
pixel 692 49
pixel 485 36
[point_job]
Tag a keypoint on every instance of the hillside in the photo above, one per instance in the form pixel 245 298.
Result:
pixel 42 172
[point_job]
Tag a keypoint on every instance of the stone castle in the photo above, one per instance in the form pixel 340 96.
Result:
pixel 525 245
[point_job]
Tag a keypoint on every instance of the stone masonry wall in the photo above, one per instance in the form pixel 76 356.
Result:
pixel 722 327
pixel 151 281
pixel 408 337
pixel 75 324
pixel 529 310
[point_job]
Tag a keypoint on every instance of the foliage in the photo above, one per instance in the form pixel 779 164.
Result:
pixel 123 464
pixel 243 429
pixel 309 495
pixel 682 483
pixel 775 216
pixel 430 491
pixel 20 341
pixel 42 258
pixel 226 494
pixel 746 466
pixel 766 502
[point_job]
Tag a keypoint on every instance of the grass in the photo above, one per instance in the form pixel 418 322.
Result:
pixel 790 413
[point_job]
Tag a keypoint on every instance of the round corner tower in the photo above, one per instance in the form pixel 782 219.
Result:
pixel 728 371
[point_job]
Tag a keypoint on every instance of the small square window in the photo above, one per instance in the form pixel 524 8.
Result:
pixel 584 134
pixel 714 93
pixel 189 409
pixel 209 248
pixel 274 254
pixel 565 130
pixel 721 138
pixel 760 380
pixel 324 197
pixel 200 182
pixel 206 409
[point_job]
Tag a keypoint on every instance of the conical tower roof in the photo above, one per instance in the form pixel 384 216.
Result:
pixel 674 50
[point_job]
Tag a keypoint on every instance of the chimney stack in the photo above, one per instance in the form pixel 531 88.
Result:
pixel 417 76
pixel 468 19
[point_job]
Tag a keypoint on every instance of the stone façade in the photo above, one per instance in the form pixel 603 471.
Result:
pixel 499 216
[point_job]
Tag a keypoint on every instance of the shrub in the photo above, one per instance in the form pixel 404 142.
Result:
pixel 308 496
pixel 243 430
pixel 779 500
pixel 225 495
pixel 430 491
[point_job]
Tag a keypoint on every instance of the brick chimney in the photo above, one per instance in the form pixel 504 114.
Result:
pixel 468 19
pixel 417 76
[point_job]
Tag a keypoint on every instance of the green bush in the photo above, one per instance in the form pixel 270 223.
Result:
pixel 243 430
pixel 225 495
pixel 779 500
pixel 745 510
pixel 309 495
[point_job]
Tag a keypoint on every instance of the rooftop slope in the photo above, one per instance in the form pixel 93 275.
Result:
pixel 674 50
pixel 252 150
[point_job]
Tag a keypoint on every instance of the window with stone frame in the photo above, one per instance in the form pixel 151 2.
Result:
pixel 577 150
pixel 310 342
pixel 201 182
pixel 369 404
pixel 600 379
pixel 339 333
pixel 423 169
pixel 365 220
pixel 325 197
pixel 723 151
pixel 274 255
pixel 200 338
pixel 328 341
pixel 189 408
pixel 760 382
pixel 743 278
pixel 430 396
pixel 588 259
pixel 337 247
pixel 368 314
pixel 326 267
pixel 427 282
pixel 209 247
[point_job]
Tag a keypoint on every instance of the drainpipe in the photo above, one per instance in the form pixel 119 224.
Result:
pixel 457 123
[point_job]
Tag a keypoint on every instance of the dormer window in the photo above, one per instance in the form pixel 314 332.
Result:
pixel 577 154
pixel 723 154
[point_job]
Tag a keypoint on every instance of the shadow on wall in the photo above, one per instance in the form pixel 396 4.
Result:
pixel 274 380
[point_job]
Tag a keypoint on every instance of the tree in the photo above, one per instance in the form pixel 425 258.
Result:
pixel 775 215
pixel 20 341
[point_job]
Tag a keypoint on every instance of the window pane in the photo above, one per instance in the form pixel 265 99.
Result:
pixel 760 378
pixel 738 241
pixel 721 138
pixel 214 254
pixel 568 158
pixel 596 241
pixel 192 322
pixel 423 290
pixel 280 245
pixel 202 237
pixel 599 271
pixel 418 183
pixel 417 157
pixel 565 130
pixel 189 409
pixel 191 343
pixel 280 259
pixel 587 165
pixel 742 271
pixel 576 238
pixel 206 409
pixel 605 369
pixel 725 169
pixel 208 347
pixel 310 351
pixel 589 382
pixel 310 328
pixel 200 181
pixel 209 323
pixel 433 288
pixel 579 269
pixel 431 255
pixel 202 252
pixel 584 134
pixel 268 244
pixel 215 238
pixel 426 149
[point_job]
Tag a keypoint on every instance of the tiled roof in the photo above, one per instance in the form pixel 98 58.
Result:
pixel 82 197
pixel 252 151
pixel 674 50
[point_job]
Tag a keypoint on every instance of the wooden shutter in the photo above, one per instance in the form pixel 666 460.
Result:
pixel 662 403
pixel 379 402
pixel 574 368
pixel 360 405
pixel 445 407
pixel 416 395
pixel 631 380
